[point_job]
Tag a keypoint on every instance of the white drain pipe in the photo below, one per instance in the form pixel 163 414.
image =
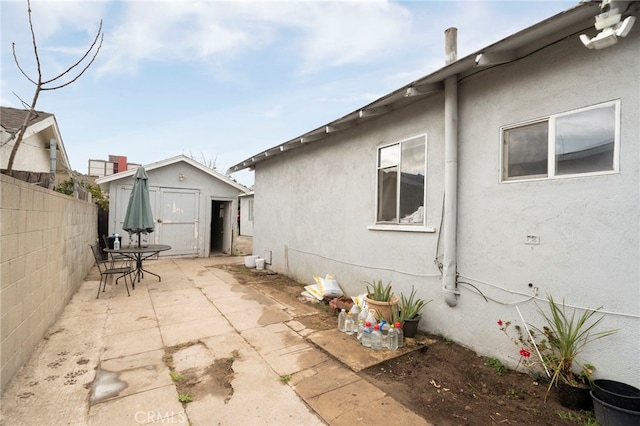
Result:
pixel 450 224
pixel 52 163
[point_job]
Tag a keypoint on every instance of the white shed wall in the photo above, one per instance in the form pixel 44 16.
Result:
pixel 207 188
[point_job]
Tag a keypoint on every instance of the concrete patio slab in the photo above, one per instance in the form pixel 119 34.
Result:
pixel 187 331
pixel 104 361
pixel 158 405
pixel 350 352
pixel 132 342
pixel 138 373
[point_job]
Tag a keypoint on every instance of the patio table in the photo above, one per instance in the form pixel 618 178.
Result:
pixel 140 254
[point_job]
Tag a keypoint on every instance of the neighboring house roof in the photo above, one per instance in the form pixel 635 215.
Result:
pixel 173 160
pixel 11 119
pixel 569 23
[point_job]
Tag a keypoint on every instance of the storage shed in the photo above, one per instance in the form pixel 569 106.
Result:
pixel 195 207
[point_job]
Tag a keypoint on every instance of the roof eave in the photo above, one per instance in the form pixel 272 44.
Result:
pixel 511 48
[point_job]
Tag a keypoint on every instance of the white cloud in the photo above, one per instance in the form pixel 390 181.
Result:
pixel 318 34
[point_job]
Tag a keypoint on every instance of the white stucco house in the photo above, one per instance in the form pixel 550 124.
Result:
pixel 195 207
pixel 246 214
pixel 35 155
pixel 503 177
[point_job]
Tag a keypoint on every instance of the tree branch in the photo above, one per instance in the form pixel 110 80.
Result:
pixel 31 112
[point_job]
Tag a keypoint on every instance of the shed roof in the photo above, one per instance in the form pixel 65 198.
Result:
pixel 570 23
pixel 173 160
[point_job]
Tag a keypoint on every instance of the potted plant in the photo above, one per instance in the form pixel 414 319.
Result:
pixel 411 312
pixel 381 299
pixel 558 344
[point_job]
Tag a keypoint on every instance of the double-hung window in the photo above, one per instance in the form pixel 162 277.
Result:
pixel 401 182
pixel 583 141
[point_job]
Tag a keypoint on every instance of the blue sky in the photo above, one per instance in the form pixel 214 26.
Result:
pixel 223 80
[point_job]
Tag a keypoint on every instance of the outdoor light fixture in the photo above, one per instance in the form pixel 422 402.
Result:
pixel 611 26
pixel 181 177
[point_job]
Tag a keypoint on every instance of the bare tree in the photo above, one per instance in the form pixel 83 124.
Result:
pixel 209 162
pixel 54 83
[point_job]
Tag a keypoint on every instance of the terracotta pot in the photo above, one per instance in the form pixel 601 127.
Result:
pixel 410 327
pixel 382 308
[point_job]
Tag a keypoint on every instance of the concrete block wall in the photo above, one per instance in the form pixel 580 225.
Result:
pixel 44 257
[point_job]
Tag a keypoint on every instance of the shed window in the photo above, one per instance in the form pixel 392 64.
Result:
pixel 401 182
pixel 571 143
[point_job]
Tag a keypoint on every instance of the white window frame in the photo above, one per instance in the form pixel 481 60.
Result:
pixel 551 145
pixel 398 226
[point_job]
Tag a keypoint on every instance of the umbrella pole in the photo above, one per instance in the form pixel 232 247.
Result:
pixel 138 240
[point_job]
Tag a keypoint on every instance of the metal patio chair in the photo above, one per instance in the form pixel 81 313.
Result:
pixel 106 269
pixel 115 257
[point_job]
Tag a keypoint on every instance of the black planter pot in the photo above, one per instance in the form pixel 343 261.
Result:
pixel 610 415
pixel 410 327
pixel 617 394
pixel 576 398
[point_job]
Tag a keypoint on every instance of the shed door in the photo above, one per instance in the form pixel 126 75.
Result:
pixel 121 204
pixel 177 220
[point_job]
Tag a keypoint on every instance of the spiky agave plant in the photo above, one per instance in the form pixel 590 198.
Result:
pixel 567 335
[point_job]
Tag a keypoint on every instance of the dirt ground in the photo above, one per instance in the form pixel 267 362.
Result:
pixel 445 383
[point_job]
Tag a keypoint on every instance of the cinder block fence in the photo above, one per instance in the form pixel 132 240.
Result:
pixel 44 257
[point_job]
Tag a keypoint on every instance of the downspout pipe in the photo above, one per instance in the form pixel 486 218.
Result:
pixel 450 224
pixel 52 163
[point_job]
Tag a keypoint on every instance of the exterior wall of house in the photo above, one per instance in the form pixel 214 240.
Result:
pixel 246 215
pixel 44 257
pixel 326 200
pixel 165 179
pixel 31 156
pixel 587 226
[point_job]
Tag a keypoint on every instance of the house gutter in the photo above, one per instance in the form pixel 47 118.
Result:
pixel 450 224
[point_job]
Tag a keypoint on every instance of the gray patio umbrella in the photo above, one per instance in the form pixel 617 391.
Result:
pixel 139 216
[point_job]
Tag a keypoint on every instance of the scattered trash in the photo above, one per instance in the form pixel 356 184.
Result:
pixel 342 302
pixel 326 287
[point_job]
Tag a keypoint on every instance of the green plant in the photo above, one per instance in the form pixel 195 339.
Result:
pixel 496 365
pixel 379 292
pixel 559 342
pixel 285 378
pixel 583 418
pixel 234 355
pixel 445 339
pixel 411 307
pixel 68 187
pixel 567 336
pixel 185 397
pixel 176 377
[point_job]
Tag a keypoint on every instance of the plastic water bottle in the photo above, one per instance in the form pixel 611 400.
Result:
pixel 360 330
pixel 366 335
pixel 384 331
pixel 392 338
pixel 400 334
pixel 376 338
pixel 116 242
pixel 362 316
pixel 348 324
pixel 342 317
pixel 371 317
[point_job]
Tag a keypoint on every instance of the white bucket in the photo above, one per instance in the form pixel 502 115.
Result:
pixel 259 263
pixel 250 261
